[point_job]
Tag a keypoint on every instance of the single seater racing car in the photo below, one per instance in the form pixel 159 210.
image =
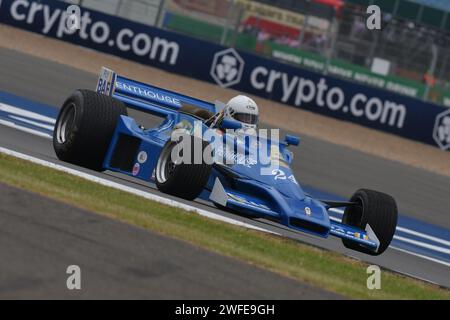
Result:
pixel 93 130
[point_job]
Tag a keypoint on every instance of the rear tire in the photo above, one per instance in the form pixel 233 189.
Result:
pixel 183 180
pixel 377 209
pixel 84 128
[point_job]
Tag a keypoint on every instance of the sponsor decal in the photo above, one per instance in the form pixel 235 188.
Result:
pixel 361 236
pixel 104 84
pixel 289 20
pixel 233 158
pixel 441 131
pixel 227 68
pixel 340 69
pixel 308 211
pixel 299 91
pixel 247 202
pixel 142 157
pixel 51 19
pixel 351 234
pixel 136 169
pixel 338 229
pixel 153 95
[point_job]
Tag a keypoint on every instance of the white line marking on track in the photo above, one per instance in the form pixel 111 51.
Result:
pixel 423 245
pixel 34 123
pixel 25 129
pixel 425 236
pixel 25 113
pixel 421 256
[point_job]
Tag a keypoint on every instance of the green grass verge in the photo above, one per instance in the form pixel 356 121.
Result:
pixel 320 268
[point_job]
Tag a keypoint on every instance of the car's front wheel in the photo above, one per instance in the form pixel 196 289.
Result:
pixel 184 179
pixel 377 209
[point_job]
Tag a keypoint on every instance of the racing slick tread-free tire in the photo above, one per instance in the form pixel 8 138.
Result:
pixel 84 128
pixel 377 209
pixel 185 180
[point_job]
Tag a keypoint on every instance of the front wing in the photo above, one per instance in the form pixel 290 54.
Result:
pixel 260 208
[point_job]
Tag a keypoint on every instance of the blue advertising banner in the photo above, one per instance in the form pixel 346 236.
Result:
pixel 228 68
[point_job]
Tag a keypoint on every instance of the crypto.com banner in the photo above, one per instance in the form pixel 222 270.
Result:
pixel 370 107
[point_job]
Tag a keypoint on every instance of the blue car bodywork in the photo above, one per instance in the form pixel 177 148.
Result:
pixel 241 188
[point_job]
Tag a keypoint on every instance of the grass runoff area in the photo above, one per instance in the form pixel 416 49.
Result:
pixel 328 270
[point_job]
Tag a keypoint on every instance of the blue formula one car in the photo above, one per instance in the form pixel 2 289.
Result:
pixel 93 130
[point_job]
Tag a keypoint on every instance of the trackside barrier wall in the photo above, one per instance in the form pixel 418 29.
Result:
pixel 326 95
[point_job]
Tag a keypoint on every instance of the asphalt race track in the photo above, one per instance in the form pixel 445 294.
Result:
pixel 117 260
pixel 329 168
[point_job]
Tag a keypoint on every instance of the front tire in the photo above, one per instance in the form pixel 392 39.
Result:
pixel 377 209
pixel 184 180
pixel 84 128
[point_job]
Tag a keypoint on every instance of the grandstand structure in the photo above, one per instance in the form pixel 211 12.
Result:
pixel 443 5
pixel 410 54
pixel 415 38
pixel 413 41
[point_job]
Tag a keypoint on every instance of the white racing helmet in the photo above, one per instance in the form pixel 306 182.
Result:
pixel 244 110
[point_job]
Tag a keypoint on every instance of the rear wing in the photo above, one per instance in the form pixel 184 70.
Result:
pixel 145 97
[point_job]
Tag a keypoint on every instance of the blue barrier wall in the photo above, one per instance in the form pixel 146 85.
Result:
pixel 370 107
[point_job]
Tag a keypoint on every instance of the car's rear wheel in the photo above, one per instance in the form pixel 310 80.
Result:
pixel 84 128
pixel 377 209
pixel 178 178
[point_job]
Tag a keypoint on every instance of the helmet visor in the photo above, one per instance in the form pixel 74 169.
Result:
pixel 246 118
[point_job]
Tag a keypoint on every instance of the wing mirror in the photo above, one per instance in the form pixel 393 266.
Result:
pixel 291 140
pixel 230 124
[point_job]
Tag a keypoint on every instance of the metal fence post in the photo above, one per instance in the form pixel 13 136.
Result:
pixel 332 46
pixel 236 26
pixel 119 6
pixel 432 69
pixel 373 47
pixel 160 14
pixel 304 27
pixel 227 22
